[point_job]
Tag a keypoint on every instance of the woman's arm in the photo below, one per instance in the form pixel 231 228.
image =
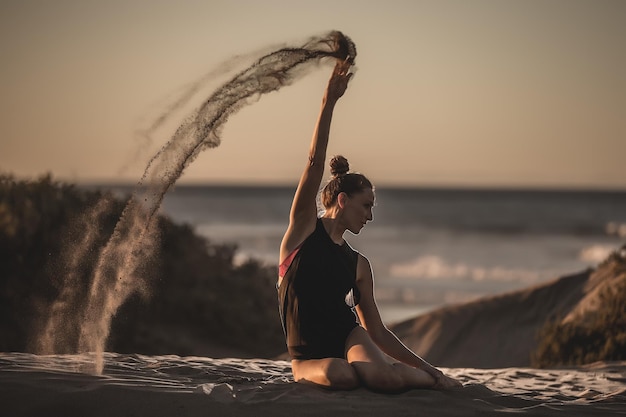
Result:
pixel 381 335
pixel 303 213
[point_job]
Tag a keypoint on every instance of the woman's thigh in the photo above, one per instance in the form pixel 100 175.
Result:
pixel 361 348
pixel 374 368
pixel 377 370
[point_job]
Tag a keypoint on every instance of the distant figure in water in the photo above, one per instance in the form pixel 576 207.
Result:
pixel 323 281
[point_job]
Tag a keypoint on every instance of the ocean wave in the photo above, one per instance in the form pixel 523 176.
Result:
pixel 615 229
pixel 596 253
pixel 434 267
pixel 229 232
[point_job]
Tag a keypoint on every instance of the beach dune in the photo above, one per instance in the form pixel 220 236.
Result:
pixel 502 330
pixel 492 332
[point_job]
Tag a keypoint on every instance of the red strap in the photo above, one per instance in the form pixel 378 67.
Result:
pixel 284 266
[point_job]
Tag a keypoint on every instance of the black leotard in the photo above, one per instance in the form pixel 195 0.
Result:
pixel 312 297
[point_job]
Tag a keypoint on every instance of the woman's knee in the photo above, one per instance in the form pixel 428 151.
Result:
pixel 332 373
pixel 341 375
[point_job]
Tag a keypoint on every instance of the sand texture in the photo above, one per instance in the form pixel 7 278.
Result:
pixel 138 385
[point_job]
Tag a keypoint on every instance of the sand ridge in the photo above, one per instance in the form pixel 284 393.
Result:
pixel 133 384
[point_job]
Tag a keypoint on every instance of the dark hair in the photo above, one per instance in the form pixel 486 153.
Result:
pixel 342 181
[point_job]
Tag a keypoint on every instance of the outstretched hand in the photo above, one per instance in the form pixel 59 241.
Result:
pixel 338 82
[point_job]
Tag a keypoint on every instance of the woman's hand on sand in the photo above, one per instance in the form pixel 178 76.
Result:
pixel 338 82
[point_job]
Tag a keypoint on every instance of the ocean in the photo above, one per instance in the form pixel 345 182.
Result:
pixel 429 247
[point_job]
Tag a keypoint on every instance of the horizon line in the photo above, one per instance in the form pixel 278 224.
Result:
pixel 452 186
pixel 383 185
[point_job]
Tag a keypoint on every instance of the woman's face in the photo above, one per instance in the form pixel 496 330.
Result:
pixel 357 210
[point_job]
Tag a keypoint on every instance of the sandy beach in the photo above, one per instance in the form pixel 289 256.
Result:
pixel 135 385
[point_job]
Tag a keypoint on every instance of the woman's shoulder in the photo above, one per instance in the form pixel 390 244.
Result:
pixel 358 256
pixel 363 266
pixel 362 259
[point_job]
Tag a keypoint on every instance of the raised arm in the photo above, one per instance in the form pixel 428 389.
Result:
pixel 303 213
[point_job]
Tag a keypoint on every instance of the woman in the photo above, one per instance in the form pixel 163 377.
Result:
pixel 322 280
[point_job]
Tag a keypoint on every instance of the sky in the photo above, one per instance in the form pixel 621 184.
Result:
pixel 482 93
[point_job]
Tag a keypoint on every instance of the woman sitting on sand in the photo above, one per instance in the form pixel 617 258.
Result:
pixel 322 280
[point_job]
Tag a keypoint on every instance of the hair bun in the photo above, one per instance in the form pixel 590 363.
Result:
pixel 339 166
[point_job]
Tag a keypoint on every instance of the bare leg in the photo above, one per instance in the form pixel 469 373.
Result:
pixel 330 373
pixel 378 371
